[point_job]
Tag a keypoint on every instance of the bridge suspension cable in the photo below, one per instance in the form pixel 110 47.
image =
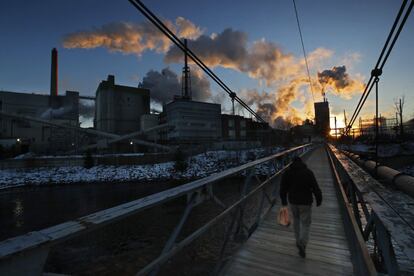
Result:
pixel 303 49
pixel 377 71
pixel 166 31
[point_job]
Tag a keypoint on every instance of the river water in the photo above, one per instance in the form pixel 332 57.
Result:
pixel 122 248
pixel 36 207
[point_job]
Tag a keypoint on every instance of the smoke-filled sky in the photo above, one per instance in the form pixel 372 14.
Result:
pixel 252 45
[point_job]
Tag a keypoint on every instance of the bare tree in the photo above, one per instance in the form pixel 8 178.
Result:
pixel 399 108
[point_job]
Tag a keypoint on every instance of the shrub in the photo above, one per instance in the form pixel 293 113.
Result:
pixel 180 161
pixel 88 160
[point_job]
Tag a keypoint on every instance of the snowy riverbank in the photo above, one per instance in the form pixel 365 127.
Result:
pixel 199 166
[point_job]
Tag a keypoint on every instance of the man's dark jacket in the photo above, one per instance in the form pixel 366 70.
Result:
pixel 298 183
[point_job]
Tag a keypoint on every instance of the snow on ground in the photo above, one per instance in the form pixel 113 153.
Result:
pixel 384 150
pixel 32 155
pixel 200 165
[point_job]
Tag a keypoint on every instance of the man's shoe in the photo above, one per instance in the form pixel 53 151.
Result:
pixel 302 252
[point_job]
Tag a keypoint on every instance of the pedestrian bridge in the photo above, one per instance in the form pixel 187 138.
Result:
pixel 271 249
pixel 362 228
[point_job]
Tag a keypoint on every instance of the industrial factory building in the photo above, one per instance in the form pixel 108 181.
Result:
pixel 50 123
pixel 233 127
pixel 322 124
pixel 192 121
pixel 60 109
pixel 63 109
pixel 118 108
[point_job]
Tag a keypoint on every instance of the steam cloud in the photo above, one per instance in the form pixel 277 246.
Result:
pixel 131 38
pixel 86 109
pixel 339 82
pixel 165 84
pixel 51 113
pixel 276 107
pixel 229 49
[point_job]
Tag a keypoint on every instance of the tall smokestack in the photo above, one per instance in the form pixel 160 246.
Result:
pixel 54 73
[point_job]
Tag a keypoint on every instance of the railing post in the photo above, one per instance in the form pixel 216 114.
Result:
pixel 173 237
pixel 386 248
pixel 240 232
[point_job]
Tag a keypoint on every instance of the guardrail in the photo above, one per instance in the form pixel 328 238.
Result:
pixel 27 254
pixel 393 177
pixel 387 215
pixel 363 264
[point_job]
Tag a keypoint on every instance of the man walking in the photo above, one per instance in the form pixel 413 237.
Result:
pixel 298 184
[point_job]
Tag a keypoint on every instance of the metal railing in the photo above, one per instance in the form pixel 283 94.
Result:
pixel 375 213
pixel 362 261
pixel 27 254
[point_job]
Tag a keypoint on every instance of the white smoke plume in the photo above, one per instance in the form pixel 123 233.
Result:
pixel 87 109
pixel 131 38
pixel 229 49
pixel 338 81
pixel 165 84
pixel 51 113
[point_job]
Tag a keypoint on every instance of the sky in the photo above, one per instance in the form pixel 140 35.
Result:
pixel 259 57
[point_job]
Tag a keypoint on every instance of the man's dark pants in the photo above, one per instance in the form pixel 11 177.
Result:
pixel 301 223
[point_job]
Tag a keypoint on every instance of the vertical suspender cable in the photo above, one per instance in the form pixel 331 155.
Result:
pixel 303 49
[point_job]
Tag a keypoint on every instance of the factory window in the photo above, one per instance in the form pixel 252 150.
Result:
pixel 1 105
pixel 232 133
pixel 231 123
pixel 243 133
pixel 243 124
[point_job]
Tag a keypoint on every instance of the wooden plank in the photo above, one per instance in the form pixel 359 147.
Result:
pixel 271 249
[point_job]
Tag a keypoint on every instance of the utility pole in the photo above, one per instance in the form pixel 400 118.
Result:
pixel 396 124
pixel 336 130
pixel 401 119
pixel 345 118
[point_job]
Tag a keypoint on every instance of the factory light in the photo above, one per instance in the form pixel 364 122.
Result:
pixel 131 143
pixel 18 140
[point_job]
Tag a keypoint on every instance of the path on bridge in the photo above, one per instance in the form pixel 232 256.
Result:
pixel 271 249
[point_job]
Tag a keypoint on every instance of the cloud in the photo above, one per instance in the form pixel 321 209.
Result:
pixel 339 82
pixel 229 49
pixel 276 107
pixel 165 84
pixel 187 29
pixel 131 38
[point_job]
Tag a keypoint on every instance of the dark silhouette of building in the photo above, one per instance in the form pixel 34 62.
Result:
pixel 322 118
pixel 119 108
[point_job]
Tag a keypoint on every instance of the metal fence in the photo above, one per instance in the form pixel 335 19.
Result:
pixel 379 215
pixel 27 254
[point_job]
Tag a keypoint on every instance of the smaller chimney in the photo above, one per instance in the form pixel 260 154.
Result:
pixel 54 73
pixel 111 80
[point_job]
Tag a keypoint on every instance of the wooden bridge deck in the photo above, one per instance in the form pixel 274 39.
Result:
pixel 271 249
